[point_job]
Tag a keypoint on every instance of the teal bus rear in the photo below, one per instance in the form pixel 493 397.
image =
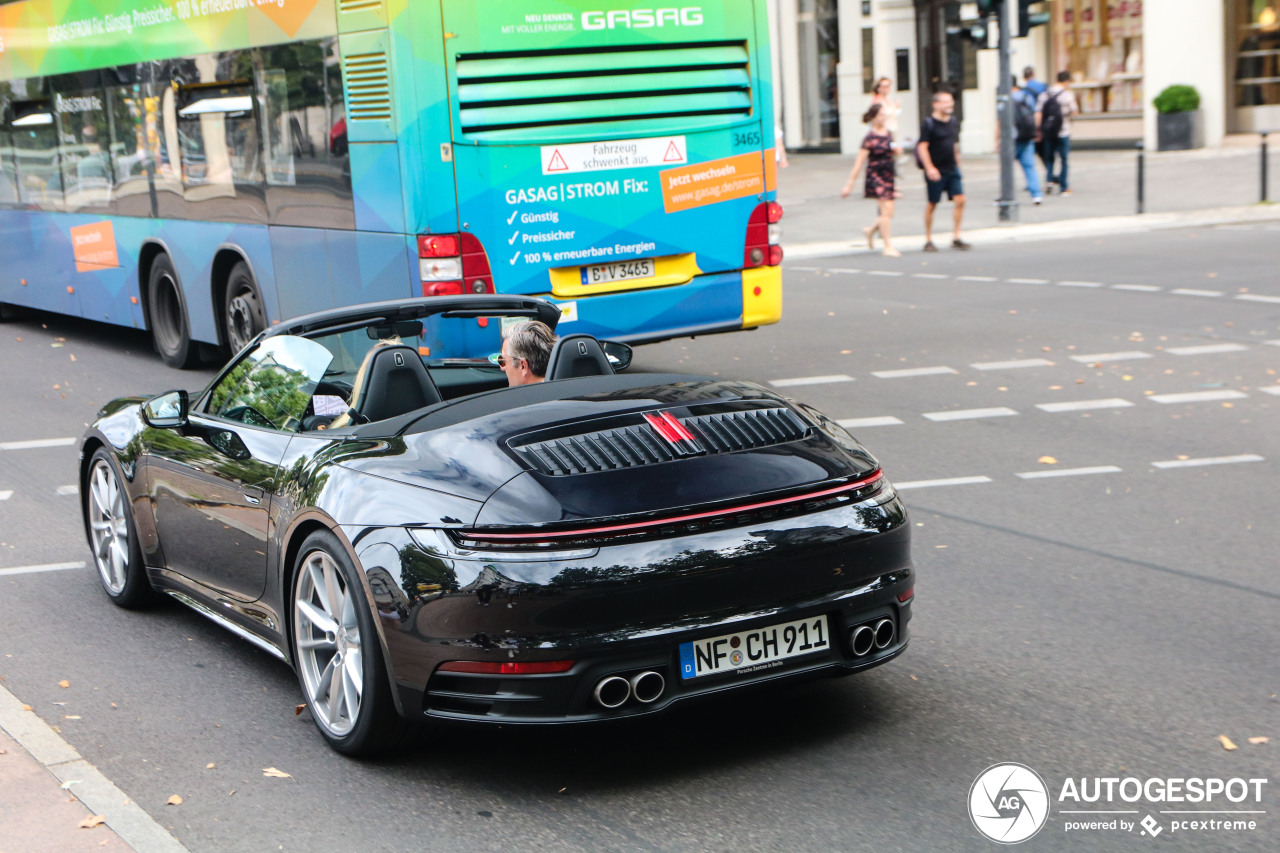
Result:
pixel 205 170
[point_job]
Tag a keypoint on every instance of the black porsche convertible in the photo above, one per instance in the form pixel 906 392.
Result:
pixel 360 494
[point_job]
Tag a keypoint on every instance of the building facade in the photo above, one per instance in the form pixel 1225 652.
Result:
pixel 1120 54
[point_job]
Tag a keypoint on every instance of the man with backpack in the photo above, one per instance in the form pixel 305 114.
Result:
pixel 1054 110
pixel 1024 137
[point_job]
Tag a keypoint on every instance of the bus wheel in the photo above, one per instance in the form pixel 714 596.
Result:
pixel 244 314
pixel 169 327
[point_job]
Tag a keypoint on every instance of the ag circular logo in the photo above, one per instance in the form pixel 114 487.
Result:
pixel 1008 803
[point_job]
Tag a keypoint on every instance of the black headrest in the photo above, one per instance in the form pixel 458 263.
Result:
pixel 577 355
pixel 397 382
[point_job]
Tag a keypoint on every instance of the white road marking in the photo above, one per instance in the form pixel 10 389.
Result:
pixel 1208 460
pixel 68 490
pixel 976 278
pixel 912 371
pixel 1257 297
pixel 1012 365
pixel 929 275
pixel 1275 343
pixel 1271 389
pixel 1078 283
pixel 953 481
pixel 1207 349
pixel 1110 356
pixel 47 567
pixel 1198 396
pixel 883 272
pixel 1027 280
pixel 970 414
pixel 1084 405
pixel 6 494
pixel 1191 291
pixel 845 271
pixel 810 380
pixel 1069 472
pixel 1141 288
pixel 36 443
pixel 804 269
pixel 886 420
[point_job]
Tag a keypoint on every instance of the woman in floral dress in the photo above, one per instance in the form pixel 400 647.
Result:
pixel 877 154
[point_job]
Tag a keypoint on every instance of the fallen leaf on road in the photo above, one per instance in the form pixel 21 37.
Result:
pixel 1127 378
pixel 299 709
pixel 27 708
pixel 91 822
pixel 175 800
pixel 1045 349
pixel 210 766
pixel 913 678
pixel 1226 743
pixel 846 352
pixel 276 774
pixel 231 793
pixel 1259 739
pixel 73 356
pixel 55 345
pixel 72 717
pixel 1183 456
pixel 1047 460
pixel 63 682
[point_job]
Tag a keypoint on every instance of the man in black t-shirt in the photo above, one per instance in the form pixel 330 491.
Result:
pixel 939 154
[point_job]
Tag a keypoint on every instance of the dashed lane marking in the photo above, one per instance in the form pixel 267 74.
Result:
pixel 1012 365
pixel 1207 349
pixel 953 481
pixel 36 443
pixel 68 490
pixel 1208 460
pixel 1070 472
pixel 1271 389
pixel 1110 356
pixel 805 269
pixel 1198 396
pixel 1078 283
pixel 976 278
pixel 929 275
pixel 884 272
pixel 970 414
pixel 845 271
pixel 1275 343
pixel 1191 291
pixel 810 380
pixel 885 420
pixel 5 494
pixel 912 371
pixel 1139 288
pixel 1027 280
pixel 1084 405
pixel 47 567
pixel 1257 297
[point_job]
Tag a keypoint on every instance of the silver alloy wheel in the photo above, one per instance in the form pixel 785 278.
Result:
pixel 242 324
pixel 330 657
pixel 108 526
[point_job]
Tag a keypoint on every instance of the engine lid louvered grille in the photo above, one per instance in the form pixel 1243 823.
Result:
pixel 707 83
pixel 368 87
pixel 634 446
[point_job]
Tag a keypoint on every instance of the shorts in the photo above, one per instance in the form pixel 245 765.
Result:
pixel 949 181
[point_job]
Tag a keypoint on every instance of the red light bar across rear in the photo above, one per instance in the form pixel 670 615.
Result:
pixel 484 667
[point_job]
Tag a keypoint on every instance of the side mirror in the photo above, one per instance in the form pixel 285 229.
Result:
pixel 619 355
pixel 166 411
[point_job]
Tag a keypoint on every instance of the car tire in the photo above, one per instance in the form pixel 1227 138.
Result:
pixel 170 329
pixel 336 651
pixel 113 537
pixel 243 314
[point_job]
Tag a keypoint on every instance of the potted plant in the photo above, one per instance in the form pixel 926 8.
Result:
pixel 1179 125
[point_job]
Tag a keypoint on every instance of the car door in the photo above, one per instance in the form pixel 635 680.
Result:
pixel 211 483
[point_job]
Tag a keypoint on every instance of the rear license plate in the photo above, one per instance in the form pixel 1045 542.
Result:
pixel 748 651
pixel 625 271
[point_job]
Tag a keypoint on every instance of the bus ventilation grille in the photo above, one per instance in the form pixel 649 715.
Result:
pixel 689 86
pixel 368 87
pixel 640 445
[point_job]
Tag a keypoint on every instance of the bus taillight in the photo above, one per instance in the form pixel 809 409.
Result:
pixel 763 235
pixel 451 264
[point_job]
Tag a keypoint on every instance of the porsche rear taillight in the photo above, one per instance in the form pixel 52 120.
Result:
pixel 507 667
pixel 764 233
pixel 452 264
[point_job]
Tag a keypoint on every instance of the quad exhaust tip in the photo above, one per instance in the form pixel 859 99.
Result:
pixel 865 638
pixel 613 691
pixel 647 686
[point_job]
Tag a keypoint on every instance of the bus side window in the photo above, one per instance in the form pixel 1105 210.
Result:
pixel 84 135
pixel 8 169
pixel 32 129
pixel 126 108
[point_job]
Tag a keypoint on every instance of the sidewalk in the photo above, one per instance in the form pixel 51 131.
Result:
pixel 1202 187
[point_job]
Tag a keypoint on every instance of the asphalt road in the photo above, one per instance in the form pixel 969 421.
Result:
pixel 1110 621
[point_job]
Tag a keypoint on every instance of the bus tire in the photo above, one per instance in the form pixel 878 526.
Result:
pixel 170 329
pixel 243 315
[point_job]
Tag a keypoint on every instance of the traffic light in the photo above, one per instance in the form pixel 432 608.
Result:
pixel 988 7
pixel 1026 18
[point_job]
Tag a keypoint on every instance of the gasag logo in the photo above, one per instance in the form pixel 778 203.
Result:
pixel 1008 803
pixel 643 19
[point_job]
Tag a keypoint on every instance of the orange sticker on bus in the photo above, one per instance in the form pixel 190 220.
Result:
pixel 94 246
pixel 715 180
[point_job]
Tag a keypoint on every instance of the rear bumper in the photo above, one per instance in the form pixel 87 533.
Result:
pixel 706 304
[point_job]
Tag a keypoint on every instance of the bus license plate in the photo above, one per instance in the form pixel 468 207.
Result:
pixel 751 651
pixel 625 271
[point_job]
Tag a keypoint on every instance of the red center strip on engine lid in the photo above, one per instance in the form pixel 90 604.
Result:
pixel 871 479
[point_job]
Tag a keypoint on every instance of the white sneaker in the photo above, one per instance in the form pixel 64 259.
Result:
pixel 1037 199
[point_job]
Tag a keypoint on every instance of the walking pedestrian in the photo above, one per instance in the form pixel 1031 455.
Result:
pixel 877 155
pixel 1054 110
pixel 1024 137
pixel 1036 87
pixel 938 153
pixel 882 95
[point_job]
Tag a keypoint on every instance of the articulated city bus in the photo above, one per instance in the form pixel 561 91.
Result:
pixel 203 168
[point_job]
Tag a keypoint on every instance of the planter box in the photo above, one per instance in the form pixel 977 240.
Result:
pixel 1179 131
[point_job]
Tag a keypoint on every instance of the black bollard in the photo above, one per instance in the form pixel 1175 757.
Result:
pixel 1141 179
pixel 1264 165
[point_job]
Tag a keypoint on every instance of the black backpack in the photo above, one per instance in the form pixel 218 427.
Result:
pixel 1051 117
pixel 1024 118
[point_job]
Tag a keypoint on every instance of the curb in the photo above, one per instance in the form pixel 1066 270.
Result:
pixel 1064 229
pixel 99 794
